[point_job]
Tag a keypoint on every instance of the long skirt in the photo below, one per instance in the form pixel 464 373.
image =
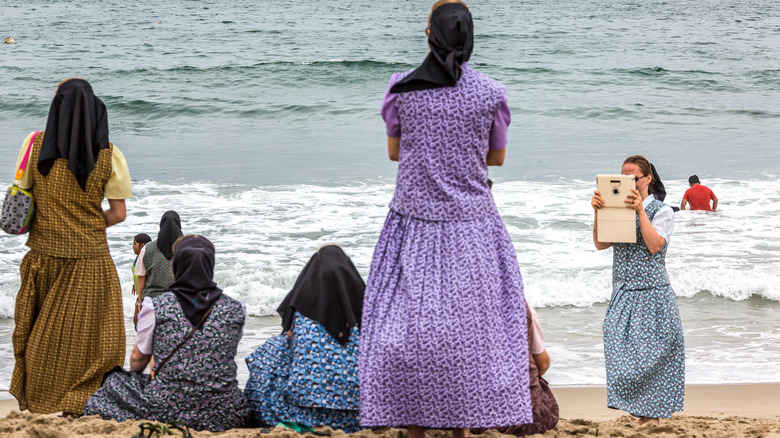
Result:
pixel 444 340
pixel 69 331
pixel 134 396
pixel 644 353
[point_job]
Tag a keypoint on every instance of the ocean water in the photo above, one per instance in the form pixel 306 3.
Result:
pixel 258 121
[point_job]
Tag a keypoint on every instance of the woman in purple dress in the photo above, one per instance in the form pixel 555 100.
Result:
pixel 444 337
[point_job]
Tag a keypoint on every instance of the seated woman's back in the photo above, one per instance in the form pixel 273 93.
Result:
pixel 206 360
pixel 193 332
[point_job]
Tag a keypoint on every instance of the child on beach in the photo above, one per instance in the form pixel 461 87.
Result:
pixel 155 264
pixel 444 341
pixel 643 338
pixel 309 373
pixel 139 241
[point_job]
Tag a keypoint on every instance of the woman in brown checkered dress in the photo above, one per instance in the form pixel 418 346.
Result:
pixel 69 327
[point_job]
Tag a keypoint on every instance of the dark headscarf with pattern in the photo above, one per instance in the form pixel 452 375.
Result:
pixel 77 129
pixel 193 271
pixel 451 40
pixel 329 290
pixel 170 230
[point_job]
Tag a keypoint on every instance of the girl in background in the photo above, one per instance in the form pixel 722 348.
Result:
pixel 643 338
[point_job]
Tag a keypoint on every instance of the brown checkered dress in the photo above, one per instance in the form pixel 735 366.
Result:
pixel 69 324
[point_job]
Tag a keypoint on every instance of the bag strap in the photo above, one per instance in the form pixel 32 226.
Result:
pixel 23 164
pixel 162 364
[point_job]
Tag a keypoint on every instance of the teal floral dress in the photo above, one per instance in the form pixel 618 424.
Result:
pixel 643 337
pixel 309 379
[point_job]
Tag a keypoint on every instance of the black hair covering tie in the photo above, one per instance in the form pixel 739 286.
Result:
pixel 451 41
pixel 193 271
pixel 329 290
pixel 77 130
pixel 657 187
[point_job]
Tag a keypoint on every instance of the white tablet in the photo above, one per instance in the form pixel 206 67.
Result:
pixel 616 222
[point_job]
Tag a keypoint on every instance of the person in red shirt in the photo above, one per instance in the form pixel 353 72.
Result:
pixel 699 196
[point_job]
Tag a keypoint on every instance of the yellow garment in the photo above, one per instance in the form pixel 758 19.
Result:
pixel 118 186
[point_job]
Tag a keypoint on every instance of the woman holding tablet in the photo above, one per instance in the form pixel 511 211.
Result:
pixel 643 337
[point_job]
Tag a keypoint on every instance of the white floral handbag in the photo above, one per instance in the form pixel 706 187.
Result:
pixel 18 206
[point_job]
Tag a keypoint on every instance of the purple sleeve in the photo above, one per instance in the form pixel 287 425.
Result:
pixel 145 327
pixel 389 111
pixel 500 125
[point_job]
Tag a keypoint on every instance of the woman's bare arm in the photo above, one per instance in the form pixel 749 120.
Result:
pixel 138 360
pixel 542 361
pixel 393 148
pixel 653 241
pixel 495 157
pixel 116 212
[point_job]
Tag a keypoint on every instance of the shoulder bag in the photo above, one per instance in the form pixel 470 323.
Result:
pixel 19 206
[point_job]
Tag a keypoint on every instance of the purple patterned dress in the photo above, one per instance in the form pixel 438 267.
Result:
pixel 198 384
pixel 444 338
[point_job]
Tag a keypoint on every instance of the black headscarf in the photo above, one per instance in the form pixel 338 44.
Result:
pixel 657 187
pixel 77 129
pixel 170 230
pixel 451 41
pixel 329 290
pixel 193 271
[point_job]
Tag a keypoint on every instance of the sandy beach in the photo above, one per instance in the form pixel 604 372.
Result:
pixel 751 410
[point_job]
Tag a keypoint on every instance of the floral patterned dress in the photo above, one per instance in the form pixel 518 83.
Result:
pixel 309 379
pixel 198 384
pixel 644 349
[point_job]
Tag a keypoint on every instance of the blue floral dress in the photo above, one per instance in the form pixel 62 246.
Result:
pixel 310 379
pixel 643 337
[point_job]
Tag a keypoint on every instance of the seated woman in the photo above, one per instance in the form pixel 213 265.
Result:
pixel 309 373
pixel 193 332
pixel 543 403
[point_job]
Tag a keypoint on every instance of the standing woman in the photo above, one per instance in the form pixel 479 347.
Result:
pixel 444 342
pixel 155 261
pixel 643 337
pixel 68 320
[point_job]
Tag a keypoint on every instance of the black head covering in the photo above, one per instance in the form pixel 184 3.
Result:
pixel 657 187
pixel 329 290
pixel 193 272
pixel 77 129
pixel 451 41
pixel 170 230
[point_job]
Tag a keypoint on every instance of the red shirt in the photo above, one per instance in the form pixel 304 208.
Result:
pixel 699 197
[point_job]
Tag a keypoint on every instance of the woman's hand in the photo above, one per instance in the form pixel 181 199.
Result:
pixel 597 202
pixel 634 201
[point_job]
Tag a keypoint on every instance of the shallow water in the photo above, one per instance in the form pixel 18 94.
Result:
pixel 258 122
